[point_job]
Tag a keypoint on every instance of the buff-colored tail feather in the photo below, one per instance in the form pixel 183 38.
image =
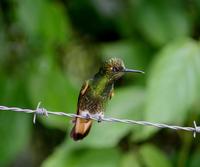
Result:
pixel 81 128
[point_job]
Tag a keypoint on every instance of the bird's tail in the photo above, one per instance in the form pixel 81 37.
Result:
pixel 81 128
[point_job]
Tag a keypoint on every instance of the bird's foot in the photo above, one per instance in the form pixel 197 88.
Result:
pixel 100 117
pixel 87 116
pixel 73 121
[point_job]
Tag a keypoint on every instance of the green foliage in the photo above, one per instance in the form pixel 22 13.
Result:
pixel 152 156
pixel 195 159
pixel 35 21
pixel 173 83
pixel 161 21
pixel 47 49
pixel 130 51
pixel 130 159
pixel 14 128
pixel 49 90
pixel 75 156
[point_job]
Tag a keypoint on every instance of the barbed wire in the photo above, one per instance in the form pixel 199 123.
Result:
pixel 42 111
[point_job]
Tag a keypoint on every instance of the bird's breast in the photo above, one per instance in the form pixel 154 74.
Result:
pixel 91 104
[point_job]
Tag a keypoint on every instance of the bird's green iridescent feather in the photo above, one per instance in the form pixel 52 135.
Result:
pixel 100 86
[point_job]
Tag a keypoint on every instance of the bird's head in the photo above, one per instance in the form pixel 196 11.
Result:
pixel 114 68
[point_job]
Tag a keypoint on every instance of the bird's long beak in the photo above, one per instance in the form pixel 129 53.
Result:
pixel 135 71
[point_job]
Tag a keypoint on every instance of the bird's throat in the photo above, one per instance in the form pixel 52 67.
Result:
pixel 102 86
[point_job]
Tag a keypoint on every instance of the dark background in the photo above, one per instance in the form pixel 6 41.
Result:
pixel 49 47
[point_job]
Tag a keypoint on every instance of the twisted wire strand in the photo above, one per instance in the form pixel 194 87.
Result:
pixel 42 111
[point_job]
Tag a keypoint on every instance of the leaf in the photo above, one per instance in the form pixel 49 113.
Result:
pixel 60 157
pixel 14 130
pixel 153 157
pixel 161 21
pixel 44 19
pixel 126 104
pixel 54 90
pixel 130 160
pixel 73 156
pixel 14 127
pixel 134 54
pixel 97 158
pixel 194 161
pixel 173 83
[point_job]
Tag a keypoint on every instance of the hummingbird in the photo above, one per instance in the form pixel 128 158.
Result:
pixel 94 94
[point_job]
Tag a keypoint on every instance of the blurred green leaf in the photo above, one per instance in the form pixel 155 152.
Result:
pixel 197 4
pixel 60 157
pixel 195 161
pixel 54 90
pixel 3 46
pixel 161 21
pixel 97 158
pixel 130 160
pixel 153 157
pixel 128 104
pixel 15 132
pixel 14 127
pixel 173 83
pixel 44 19
pixel 71 155
pixel 134 54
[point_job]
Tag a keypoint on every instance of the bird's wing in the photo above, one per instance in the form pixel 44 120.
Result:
pixel 111 93
pixel 82 126
pixel 83 90
pixel 84 87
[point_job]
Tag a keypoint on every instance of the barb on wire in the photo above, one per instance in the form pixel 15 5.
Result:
pixel 43 111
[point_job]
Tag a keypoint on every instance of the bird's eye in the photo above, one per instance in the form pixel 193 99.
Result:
pixel 114 69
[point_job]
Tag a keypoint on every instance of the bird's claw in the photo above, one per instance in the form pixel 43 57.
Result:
pixel 73 121
pixel 100 118
pixel 87 116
